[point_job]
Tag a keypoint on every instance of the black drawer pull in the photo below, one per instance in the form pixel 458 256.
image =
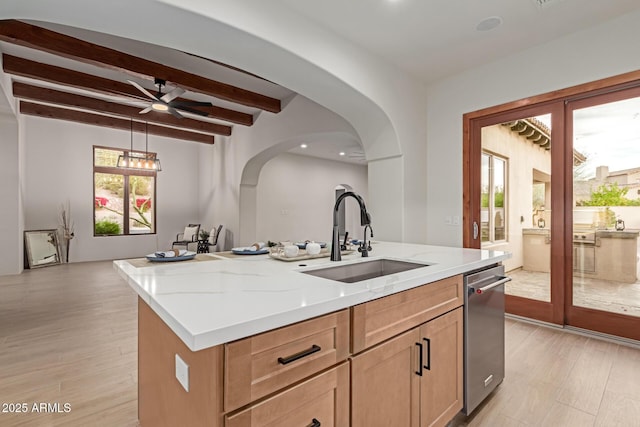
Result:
pixel 285 360
pixel 428 365
pixel 419 371
pixel 315 423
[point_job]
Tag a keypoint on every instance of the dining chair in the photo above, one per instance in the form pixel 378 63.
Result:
pixel 188 236
pixel 213 236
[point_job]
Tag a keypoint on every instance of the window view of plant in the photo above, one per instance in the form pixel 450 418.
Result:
pixel 123 199
pixel 108 203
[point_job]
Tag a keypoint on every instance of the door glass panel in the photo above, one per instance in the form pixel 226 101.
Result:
pixel 606 213
pixel 499 179
pixel 484 198
pixel 516 199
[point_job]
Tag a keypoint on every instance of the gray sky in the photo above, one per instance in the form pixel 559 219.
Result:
pixel 608 134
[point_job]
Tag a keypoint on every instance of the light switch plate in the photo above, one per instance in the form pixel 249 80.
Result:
pixel 182 372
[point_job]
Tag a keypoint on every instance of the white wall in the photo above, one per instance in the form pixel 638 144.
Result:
pixel 59 168
pixel 10 214
pixel 601 51
pixel 238 161
pixel 198 183
pixel 296 195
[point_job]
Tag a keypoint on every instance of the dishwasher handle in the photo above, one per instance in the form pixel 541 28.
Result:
pixel 502 281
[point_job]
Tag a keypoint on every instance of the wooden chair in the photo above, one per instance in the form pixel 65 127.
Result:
pixel 190 235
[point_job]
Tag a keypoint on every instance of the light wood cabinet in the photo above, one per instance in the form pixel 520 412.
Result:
pixel 441 386
pixel 162 401
pixel 322 400
pixel 385 389
pixel 405 368
pixel 262 364
pixel 414 379
pixel 383 318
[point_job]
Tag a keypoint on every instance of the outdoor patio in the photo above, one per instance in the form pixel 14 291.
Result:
pixel 598 294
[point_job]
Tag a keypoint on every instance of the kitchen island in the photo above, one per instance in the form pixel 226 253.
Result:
pixel 233 321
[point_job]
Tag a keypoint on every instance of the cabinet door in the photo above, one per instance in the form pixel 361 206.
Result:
pixel 321 401
pixel 385 383
pixel 441 391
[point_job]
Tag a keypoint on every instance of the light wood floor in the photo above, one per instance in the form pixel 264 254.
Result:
pixel 557 378
pixel 68 334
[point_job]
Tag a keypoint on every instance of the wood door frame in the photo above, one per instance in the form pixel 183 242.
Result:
pixel 561 244
pixel 582 317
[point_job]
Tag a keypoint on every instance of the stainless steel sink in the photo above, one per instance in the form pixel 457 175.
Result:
pixel 356 272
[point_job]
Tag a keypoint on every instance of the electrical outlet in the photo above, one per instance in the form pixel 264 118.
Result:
pixel 182 372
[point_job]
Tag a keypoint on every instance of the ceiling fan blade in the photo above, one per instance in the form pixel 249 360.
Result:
pixel 175 113
pixel 191 110
pixel 178 104
pixel 146 110
pixel 143 90
pixel 168 97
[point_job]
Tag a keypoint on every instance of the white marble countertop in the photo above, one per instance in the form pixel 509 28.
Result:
pixel 207 303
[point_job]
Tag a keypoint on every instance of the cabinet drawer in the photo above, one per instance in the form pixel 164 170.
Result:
pixel 264 363
pixel 378 320
pixel 321 400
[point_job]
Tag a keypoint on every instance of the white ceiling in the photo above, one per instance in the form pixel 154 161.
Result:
pixel 428 38
pixel 435 38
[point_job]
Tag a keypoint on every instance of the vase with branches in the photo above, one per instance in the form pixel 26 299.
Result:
pixel 67 227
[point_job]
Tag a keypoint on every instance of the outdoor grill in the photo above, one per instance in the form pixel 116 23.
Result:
pixel 584 249
pixel 584 237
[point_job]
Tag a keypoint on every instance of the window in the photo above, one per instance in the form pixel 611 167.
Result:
pixel 493 200
pixel 121 194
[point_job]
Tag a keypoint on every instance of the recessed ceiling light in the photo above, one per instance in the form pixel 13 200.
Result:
pixel 342 153
pixel 489 23
pixel 303 145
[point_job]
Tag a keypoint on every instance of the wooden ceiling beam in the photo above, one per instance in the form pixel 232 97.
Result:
pixel 41 110
pixel 23 34
pixel 52 96
pixel 63 76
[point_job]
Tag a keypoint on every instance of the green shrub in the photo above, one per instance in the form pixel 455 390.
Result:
pixel 107 227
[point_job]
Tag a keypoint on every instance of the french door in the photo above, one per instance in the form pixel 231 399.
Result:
pixel 513 203
pixel 603 290
pixel 556 182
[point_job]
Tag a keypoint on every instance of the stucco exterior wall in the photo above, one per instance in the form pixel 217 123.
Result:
pixel 523 157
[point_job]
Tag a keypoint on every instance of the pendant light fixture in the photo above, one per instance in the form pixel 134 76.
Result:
pixel 139 161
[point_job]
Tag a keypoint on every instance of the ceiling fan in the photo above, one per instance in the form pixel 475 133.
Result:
pixel 166 102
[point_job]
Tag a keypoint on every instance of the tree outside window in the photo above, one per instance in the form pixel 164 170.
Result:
pixel 123 199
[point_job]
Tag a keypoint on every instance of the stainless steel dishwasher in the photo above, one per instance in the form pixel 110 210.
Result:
pixel 483 334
